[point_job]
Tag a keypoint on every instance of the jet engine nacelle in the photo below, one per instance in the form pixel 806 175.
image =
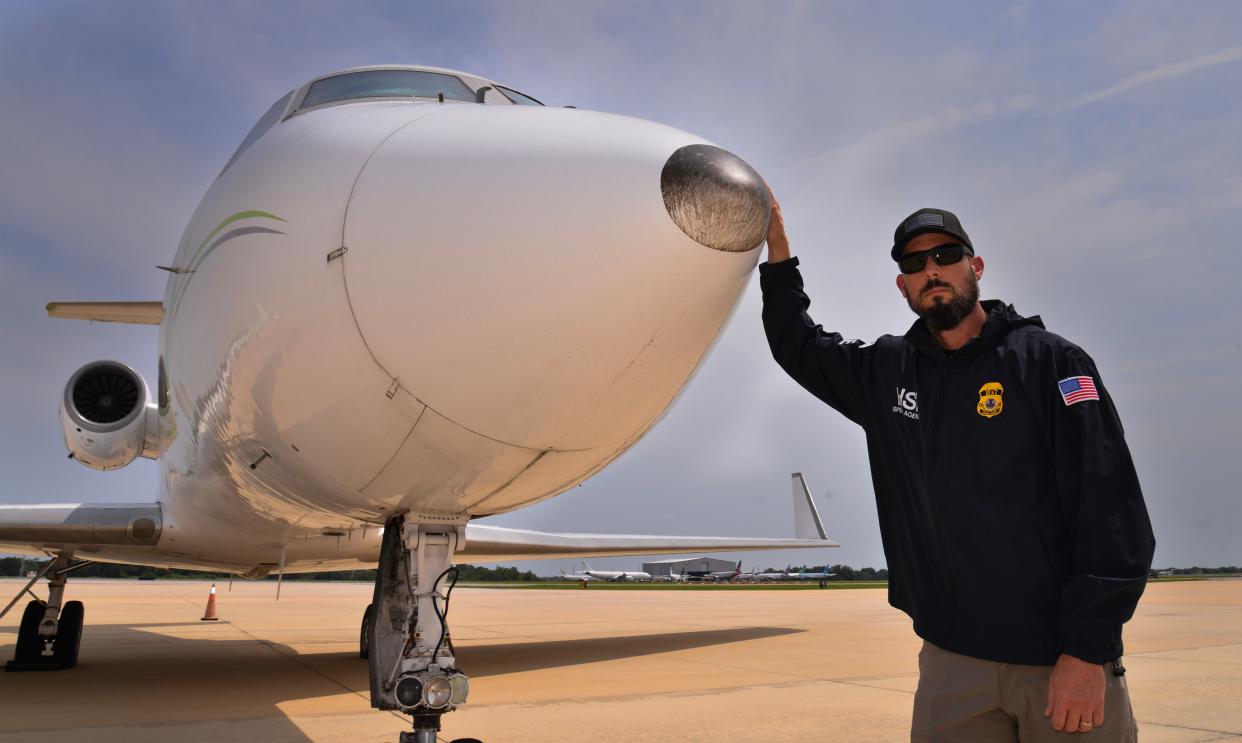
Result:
pixel 107 417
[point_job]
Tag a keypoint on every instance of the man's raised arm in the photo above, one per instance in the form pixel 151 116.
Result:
pixel 778 241
pixel 824 363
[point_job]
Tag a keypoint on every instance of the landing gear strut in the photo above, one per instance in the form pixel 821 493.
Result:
pixel 407 643
pixel 50 633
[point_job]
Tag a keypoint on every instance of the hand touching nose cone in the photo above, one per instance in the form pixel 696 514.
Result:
pixel 778 242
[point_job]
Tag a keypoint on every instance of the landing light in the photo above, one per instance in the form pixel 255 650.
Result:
pixel 437 692
pixel 409 692
pixel 461 688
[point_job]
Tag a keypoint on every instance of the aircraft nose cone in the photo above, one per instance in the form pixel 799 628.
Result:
pixel 716 198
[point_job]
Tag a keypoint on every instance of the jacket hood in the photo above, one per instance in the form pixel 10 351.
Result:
pixel 1002 319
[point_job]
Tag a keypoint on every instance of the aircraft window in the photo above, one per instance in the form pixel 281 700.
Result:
pixel 386 84
pixel 519 98
pixel 267 121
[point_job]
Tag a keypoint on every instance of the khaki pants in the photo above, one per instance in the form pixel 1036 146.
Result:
pixel 967 700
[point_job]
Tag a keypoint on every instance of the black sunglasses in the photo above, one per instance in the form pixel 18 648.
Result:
pixel 943 255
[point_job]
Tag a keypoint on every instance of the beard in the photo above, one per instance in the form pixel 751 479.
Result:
pixel 945 315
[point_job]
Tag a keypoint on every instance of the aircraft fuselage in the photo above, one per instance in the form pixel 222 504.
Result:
pixel 441 308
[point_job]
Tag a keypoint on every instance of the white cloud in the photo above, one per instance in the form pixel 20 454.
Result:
pixel 1159 73
pixel 888 141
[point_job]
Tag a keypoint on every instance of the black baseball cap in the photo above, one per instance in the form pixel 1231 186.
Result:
pixel 924 221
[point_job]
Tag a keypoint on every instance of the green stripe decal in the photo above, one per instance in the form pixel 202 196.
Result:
pixel 236 217
pixel 181 282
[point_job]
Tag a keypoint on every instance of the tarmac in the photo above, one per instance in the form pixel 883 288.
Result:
pixel 564 665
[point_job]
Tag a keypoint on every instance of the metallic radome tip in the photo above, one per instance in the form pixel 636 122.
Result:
pixel 716 198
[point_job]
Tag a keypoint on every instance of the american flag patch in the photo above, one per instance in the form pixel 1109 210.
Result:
pixel 924 220
pixel 1077 389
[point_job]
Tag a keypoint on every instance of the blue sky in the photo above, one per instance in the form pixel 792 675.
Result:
pixel 1091 150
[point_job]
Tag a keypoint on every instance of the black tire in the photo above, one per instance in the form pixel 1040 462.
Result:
pixel 29 644
pixel 364 635
pixel 465 740
pixel 69 634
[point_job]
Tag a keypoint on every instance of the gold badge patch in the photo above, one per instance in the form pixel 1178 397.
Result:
pixel 991 402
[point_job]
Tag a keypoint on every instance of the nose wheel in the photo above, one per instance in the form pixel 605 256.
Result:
pixel 413 738
pixel 430 737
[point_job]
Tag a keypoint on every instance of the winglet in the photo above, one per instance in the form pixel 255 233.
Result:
pixel 806 517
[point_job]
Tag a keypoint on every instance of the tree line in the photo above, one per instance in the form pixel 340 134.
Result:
pixel 19 566
pixel 1229 570
pixel 843 572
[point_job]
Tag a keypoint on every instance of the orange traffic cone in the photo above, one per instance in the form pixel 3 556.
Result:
pixel 210 614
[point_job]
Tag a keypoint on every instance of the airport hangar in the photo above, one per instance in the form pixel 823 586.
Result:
pixel 689 566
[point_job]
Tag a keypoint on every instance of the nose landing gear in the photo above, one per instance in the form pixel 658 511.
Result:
pixel 50 634
pixel 405 636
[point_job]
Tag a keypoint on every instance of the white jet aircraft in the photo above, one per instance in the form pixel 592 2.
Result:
pixel 412 299
pixel 786 575
pixel 727 575
pixel 615 575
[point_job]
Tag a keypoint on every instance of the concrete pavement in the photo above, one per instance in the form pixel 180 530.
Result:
pixel 597 666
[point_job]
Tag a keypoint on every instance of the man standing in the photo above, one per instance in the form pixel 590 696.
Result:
pixel 1015 531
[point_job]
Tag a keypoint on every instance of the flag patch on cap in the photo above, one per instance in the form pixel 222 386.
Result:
pixel 1077 389
pixel 924 220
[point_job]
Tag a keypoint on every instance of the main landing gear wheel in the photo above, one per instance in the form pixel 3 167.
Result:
pixel 364 635
pixel 69 634
pixel 50 633
pixel 29 644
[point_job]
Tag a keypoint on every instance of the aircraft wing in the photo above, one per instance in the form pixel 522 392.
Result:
pixel 134 313
pixel 495 543
pixel 36 529
pixel 50 528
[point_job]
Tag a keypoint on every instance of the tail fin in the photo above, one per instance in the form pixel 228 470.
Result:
pixel 585 566
pixel 806 516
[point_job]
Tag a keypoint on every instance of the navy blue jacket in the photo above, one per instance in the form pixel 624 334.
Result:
pixel 1011 515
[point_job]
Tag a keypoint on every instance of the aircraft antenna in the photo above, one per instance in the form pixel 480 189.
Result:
pixel 280 571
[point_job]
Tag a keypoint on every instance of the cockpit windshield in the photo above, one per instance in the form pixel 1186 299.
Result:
pixel 387 84
pixel 520 99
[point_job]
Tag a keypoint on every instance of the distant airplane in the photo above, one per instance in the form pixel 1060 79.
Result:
pixel 761 577
pixel 412 299
pixel 811 575
pixel 787 574
pixel 719 575
pixel 576 576
pixel 615 575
